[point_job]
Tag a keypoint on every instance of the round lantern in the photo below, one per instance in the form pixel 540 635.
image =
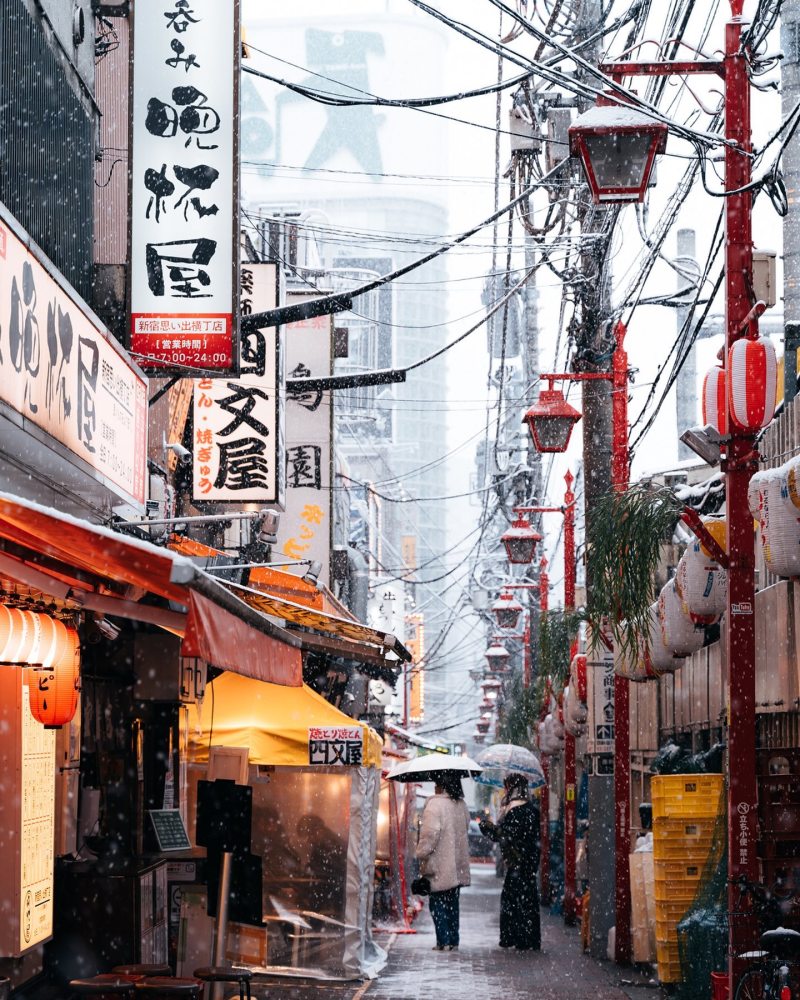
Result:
pixel 55 685
pixel 507 611
pixel 660 659
pixel 780 525
pixel 22 629
pixel 701 584
pixel 678 631
pixel 752 383
pixel 520 541
pixel 715 402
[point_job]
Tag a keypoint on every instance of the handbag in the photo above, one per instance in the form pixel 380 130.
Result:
pixel 421 886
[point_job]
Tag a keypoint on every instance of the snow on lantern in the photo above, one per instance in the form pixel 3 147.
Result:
pixel 617 145
pixel 520 541
pixel 550 421
pixel 752 383
pixel 507 610
pixel 55 683
pixel 715 402
pixel 497 657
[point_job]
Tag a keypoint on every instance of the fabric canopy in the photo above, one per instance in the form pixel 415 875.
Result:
pixel 272 721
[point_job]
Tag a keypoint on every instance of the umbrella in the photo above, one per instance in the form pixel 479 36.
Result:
pixel 508 758
pixel 426 767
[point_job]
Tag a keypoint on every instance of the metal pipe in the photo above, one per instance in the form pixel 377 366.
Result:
pixel 245 515
pixel 221 928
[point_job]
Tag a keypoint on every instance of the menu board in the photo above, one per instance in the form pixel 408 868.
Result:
pixel 37 827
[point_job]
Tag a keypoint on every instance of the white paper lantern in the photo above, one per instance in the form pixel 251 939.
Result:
pixel 780 528
pixel 678 632
pixel 702 585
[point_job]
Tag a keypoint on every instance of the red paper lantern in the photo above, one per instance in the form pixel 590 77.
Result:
pixel 752 383
pixel 715 402
pixel 55 683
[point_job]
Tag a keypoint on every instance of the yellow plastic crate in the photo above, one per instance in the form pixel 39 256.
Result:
pixel 678 871
pixel 671 911
pixel 669 966
pixel 667 929
pixel 676 892
pixel 686 796
pixel 682 839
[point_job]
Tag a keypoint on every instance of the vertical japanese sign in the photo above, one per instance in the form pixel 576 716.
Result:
pixel 61 371
pixel 415 643
pixel 305 528
pixel 600 670
pixel 184 198
pixel 238 452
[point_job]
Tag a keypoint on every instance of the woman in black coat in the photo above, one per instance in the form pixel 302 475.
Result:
pixel 517 833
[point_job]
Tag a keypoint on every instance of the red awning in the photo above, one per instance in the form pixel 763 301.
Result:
pixel 94 568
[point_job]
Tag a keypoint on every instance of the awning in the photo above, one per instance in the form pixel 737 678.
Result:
pixel 274 723
pixel 90 567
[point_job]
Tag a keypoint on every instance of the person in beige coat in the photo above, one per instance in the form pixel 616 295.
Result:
pixel 443 853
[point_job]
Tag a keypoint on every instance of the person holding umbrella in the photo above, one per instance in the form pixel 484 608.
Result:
pixel 443 854
pixel 517 833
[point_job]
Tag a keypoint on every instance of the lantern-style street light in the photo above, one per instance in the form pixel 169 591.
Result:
pixel 497 657
pixel 617 145
pixel 551 419
pixel 507 610
pixel 520 541
pixel 739 461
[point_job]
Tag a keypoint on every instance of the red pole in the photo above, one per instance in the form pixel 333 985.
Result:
pixel 544 814
pixel 569 740
pixel 526 652
pixel 740 631
pixel 622 755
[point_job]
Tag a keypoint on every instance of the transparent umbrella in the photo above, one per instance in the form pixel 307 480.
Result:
pixel 502 759
pixel 426 767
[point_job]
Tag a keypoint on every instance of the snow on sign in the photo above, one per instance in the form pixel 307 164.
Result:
pixel 238 450
pixel 336 745
pixel 184 203
pixel 61 370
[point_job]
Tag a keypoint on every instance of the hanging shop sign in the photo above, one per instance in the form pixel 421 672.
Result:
pixel 336 745
pixel 238 452
pixel 305 528
pixel 61 371
pixel 600 670
pixel 184 198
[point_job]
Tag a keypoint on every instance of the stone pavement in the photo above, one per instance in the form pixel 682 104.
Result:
pixel 479 970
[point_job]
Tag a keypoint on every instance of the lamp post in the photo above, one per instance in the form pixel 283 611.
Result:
pixel 568 512
pixel 618 377
pixel 741 318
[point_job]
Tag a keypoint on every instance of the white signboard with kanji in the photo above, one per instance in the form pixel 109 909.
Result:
pixel 305 528
pixel 61 370
pixel 600 668
pixel 184 169
pixel 238 447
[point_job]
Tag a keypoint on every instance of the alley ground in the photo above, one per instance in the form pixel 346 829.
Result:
pixel 479 970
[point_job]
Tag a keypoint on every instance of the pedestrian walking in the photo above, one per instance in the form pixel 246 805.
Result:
pixel 517 833
pixel 443 854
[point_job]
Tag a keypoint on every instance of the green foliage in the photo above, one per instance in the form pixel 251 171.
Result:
pixel 519 714
pixel 626 532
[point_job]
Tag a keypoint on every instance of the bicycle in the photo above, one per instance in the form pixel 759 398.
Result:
pixel 770 978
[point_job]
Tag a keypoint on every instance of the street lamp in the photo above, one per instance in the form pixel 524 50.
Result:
pixel 739 462
pixel 497 657
pixel 507 611
pixel 520 541
pixel 617 145
pixel 550 420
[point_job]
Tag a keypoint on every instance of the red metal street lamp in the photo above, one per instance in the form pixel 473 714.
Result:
pixel 497 657
pixel 617 145
pixel 551 419
pixel 520 541
pixel 739 462
pixel 507 610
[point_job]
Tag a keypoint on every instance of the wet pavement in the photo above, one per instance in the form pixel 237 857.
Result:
pixel 479 970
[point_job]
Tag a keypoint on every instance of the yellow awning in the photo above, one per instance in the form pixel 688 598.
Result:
pixel 276 724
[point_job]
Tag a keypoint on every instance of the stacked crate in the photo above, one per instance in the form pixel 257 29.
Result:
pixel 685 810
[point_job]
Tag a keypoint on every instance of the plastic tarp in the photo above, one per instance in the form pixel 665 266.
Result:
pixel 273 721
pixel 313 827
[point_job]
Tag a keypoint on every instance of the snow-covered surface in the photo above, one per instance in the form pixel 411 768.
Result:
pixel 614 116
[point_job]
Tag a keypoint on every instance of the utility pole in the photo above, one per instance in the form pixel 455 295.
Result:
pixel 790 91
pixel 594 354
pixel 686 387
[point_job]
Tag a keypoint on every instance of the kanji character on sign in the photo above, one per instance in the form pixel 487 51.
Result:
pixel 242 464
pixel 180 18
pixel 184 262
